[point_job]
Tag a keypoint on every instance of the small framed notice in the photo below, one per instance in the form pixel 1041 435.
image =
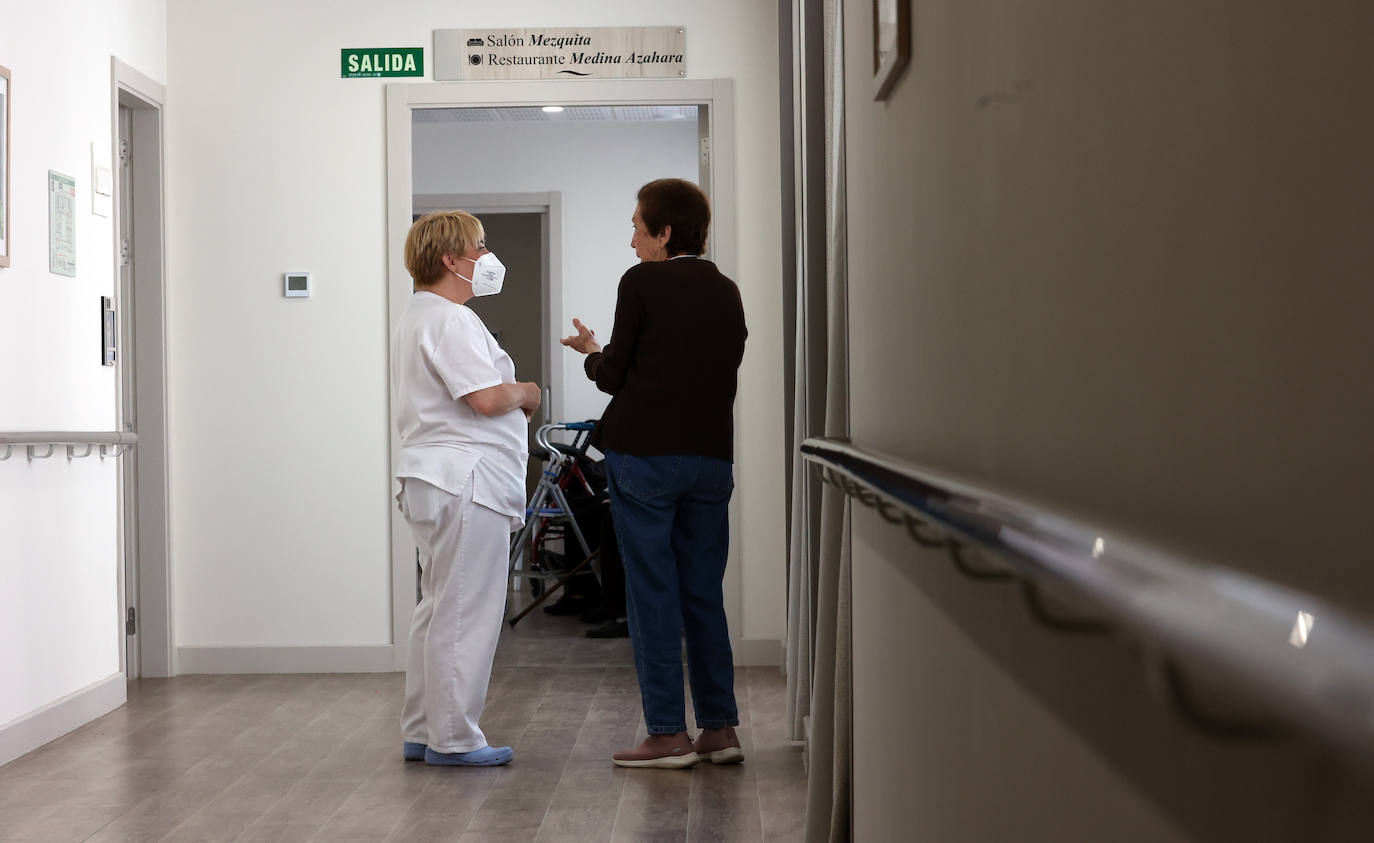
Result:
pixel 4 166
pixel 61 224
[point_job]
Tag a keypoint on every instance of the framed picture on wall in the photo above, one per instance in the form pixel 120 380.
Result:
pixel 4 166
pixel 891 44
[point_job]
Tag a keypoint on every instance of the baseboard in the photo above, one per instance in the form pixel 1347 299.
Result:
pixel 376 659
pixel 52 721
pixel 757 652
pixel 749 652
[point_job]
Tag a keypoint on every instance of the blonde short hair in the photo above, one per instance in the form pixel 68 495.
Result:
pixel 435 235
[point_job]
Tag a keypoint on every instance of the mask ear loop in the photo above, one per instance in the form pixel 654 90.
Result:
pixel 474 263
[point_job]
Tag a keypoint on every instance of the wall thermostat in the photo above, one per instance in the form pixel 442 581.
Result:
pixel 296 284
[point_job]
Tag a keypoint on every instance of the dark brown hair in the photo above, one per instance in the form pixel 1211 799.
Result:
pixel 680 204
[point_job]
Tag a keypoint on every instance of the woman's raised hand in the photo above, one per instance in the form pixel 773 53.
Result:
pixel 584 341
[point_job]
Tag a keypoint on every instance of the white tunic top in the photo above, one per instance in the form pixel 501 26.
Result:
pixel 441 352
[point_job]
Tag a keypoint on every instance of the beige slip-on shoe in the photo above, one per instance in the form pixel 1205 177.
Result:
pixel 718 746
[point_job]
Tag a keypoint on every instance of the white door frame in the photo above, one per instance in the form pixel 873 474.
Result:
pixel 142 398
pixel 549 206
pixel 401 99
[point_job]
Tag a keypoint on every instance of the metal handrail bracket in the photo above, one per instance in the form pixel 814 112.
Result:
pixel 1299 659
pixel 120 441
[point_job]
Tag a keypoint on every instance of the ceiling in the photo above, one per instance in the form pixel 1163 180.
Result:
pixel 570 114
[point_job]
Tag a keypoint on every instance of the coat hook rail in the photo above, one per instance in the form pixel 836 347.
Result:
pixel 78 444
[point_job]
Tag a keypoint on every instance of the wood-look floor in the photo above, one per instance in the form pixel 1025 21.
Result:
pixel 317 757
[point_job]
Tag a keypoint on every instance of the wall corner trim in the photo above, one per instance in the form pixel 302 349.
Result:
pixel 355 659
pixel 27 733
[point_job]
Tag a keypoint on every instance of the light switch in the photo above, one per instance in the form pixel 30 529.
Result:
pixel 102 184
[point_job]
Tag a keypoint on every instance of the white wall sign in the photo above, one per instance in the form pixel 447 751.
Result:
pixel 594 52
pixel 61 224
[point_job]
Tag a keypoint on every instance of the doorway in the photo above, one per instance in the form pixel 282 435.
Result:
pixel 145 586
pixel 712 166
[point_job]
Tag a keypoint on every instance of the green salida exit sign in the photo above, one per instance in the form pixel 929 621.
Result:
pixel 383 61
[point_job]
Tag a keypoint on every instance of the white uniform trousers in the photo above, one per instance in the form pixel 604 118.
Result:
pixel 464 548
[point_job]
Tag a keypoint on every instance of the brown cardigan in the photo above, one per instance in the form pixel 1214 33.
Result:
pixel 671 364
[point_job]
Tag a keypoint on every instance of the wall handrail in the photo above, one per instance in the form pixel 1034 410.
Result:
pixel 1285 660
pixel 111 443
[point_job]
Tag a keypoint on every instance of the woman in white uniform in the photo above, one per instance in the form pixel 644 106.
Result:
pixel 463 419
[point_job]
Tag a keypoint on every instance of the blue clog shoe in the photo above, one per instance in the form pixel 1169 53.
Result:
pixel 487 756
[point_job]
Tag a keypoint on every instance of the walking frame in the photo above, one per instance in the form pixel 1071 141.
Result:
pixel 549 513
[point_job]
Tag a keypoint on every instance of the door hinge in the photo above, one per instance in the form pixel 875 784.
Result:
pixel 129 626
pixel 123 153
pixel 706 152
pixel 125 252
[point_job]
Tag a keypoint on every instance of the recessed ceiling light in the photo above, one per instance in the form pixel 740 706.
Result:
pixel 552 109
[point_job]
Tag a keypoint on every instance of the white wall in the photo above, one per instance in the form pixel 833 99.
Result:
pixel 279 408
pixel 1139 294
pixel 58 520
pixel 598 168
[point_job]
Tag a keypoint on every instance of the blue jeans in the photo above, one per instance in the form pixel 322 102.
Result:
pixel 672 523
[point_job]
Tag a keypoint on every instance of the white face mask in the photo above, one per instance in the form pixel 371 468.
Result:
pixel 488 274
